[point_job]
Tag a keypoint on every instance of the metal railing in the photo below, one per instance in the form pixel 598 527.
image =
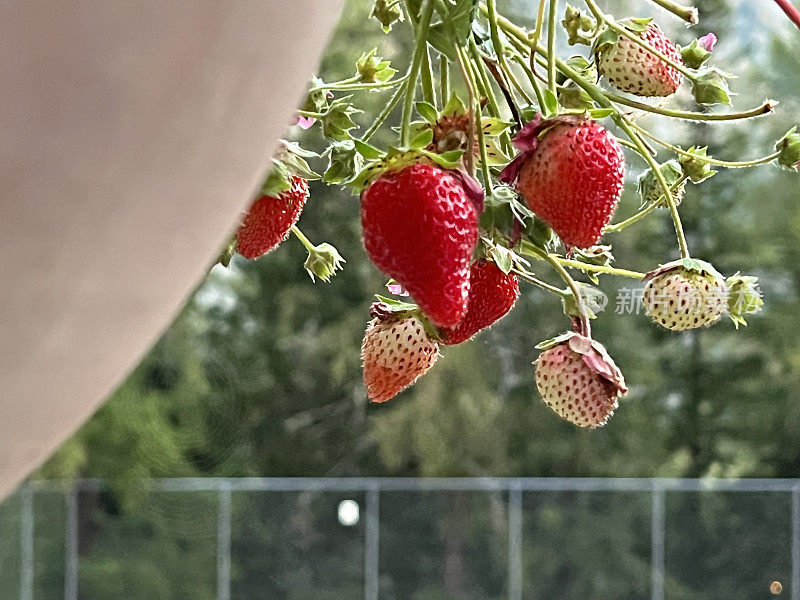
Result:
pixel 372 488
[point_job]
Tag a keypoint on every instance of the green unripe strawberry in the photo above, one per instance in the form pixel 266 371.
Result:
pixel 650 189
pixel 685 294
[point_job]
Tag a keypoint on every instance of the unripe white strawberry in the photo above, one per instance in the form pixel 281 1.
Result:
pixel 631 68
pixel 396 351
pixel 578 379
pixel 685 294
pixel 650 190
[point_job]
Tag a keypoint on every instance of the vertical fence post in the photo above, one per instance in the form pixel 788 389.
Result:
pixel 26 544
pixel 372 531
pixel 224 541
pixel 514 542
pixel 657 543
pixel 796 542
pixel 71 545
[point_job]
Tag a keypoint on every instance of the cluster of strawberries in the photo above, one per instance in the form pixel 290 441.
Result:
pixel 421 227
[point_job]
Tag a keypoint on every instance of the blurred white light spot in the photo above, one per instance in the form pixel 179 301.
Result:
pixel 348 512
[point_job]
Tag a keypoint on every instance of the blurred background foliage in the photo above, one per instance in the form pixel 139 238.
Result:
pixel 259 375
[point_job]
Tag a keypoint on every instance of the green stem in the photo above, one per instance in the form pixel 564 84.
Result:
pixel 428 91
pixel 470 152
pixel 530 278
pixel 299 234
pixel 531 76
pixel 602 17
pixel 644 212
pixel 767 107
pixel 420 34
pixel 381 118
pixel 309 114
pixel 574 264
pixel 556 263
pixel 361 86
pixel 483 79
pixel 444 78
pixel 499 49
pixel 687 13
pixel 476 109
pixel 738 164
pixel 551 47
pixel 673 207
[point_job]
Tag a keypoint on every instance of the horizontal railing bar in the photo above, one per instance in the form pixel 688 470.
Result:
pixel 433 484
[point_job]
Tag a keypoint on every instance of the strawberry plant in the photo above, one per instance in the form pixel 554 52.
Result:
pixel 509 162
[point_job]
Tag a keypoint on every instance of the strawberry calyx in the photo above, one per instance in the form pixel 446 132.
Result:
pixel 386 309
pixel 692 265
pixel 397 159
pixel 594 356
pixel 290 159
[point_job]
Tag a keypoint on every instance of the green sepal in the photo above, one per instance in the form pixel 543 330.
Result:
pixel 541 235
pixel 406 310
pixel 580 26
pixel 789 148
pixel 710 86
pixel 744 298
pixel 459 16
pixel 649 186
pixel 574 97
pixel 428 112
pixel 550 103
pixel 454 107
pixel 277 180
pixel 371 68
pixel 505 198
pixel 387 12
pixel 317 98
pixel 696 169
pixel 228 251
pixel 294 157
pixel 581 65
pixel 594 255
pixel 345 162
pixel 493 126
pixel 422 139
pixel 398 158
pixel 323 261
pixel 594 300
pixel 608 37
pixel 694 55
pixel 505 258
pixel 337 119
pixel 636 25
pixel 692 265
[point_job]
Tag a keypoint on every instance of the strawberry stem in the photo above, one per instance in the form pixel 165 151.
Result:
pixel 739 164
pixel 687 13
pixel 444 78
pixel 765 108
pixel 551 47
pixel 644 212
pixel 421 36
pixel 530 278
pixel 469 155
pixel 303 239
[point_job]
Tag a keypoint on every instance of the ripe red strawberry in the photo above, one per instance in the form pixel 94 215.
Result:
pixel 420 228
pixel 270 219
pixel 631 68
pixel 396 351
pixel 570 172
pixel 578 379
pixel 492 294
